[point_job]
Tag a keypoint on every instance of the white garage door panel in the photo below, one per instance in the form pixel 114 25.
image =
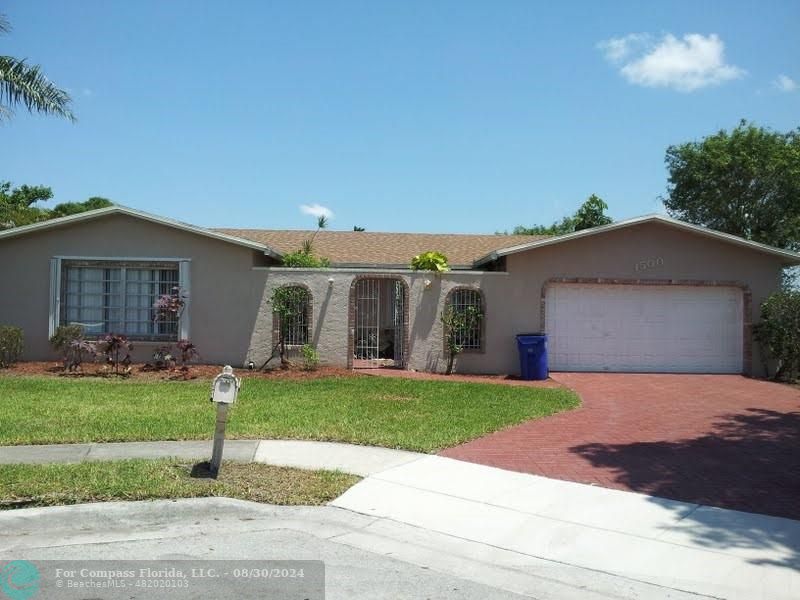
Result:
pixel 682 329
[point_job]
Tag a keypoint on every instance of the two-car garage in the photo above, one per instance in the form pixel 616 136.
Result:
pixel 647 295
pixel 644 328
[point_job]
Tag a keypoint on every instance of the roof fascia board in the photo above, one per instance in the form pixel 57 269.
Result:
pixel 787 254
pixel 124 210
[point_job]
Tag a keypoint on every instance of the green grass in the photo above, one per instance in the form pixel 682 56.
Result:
pixel 393 412
pixel 48 485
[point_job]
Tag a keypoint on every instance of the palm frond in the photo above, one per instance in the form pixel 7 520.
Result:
pixel 5 26
pixel 25 84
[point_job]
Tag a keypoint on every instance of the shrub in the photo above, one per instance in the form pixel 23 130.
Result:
pixel 169 305
pixel 117 350
pixel 779 332
pixel 304 260
pixel 188 352
pixel 64 335
pixel 310 357
pixel 165 359
pixel 162 359
pixel 430 261
pixel 79 350
pixel 74 349
pixel 11 344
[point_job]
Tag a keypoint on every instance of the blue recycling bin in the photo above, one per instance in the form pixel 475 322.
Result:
pixel 532 356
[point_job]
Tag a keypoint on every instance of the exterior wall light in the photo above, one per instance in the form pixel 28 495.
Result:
pixel 330 281
pixel 427 283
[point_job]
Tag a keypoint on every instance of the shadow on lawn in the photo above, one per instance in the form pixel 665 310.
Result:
pixel 748 462
pixel 201 470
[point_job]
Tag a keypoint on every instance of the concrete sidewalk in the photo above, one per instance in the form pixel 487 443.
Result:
pixel 350 458
pixel 672 545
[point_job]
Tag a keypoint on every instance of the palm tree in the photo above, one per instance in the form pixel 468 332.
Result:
pixel 21 83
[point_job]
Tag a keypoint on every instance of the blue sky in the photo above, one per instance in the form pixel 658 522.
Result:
pixel 396 116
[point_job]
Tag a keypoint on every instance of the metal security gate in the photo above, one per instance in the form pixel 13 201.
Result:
pixel 367 315
pixel 379 323
pixel 398 322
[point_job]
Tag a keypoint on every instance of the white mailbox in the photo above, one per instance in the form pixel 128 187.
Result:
pixel 225 386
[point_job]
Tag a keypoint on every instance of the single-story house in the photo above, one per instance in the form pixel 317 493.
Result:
pixel 650 294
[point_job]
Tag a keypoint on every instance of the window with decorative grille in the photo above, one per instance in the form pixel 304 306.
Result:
pixel 106 297
pixel 463 300
pixel 297 332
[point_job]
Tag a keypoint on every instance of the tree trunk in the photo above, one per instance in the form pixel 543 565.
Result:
pixel 284 361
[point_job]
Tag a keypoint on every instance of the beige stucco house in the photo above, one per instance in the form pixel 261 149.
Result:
pixel 646 294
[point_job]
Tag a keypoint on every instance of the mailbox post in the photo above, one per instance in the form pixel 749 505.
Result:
pixel 224 390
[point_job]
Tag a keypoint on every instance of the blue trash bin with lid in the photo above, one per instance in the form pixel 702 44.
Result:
pixel 532 356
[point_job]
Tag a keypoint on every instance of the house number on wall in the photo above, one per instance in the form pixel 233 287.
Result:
pixel 649 263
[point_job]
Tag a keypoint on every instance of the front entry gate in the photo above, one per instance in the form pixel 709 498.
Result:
pixel 379 323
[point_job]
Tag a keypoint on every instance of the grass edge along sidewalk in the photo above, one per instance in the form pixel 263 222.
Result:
pixel 23 486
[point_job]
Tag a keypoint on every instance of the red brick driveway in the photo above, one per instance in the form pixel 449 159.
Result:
pixel 722 440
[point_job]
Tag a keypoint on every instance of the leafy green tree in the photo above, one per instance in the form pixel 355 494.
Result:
pixel 288 302
pixel 561 227
pixel 590 214
pixel 305 258
pixel 779 332
pixel 308 245
pixel 26 85
pixel 17 205
pixel 458 322
pixel 745 182
pixel 73 208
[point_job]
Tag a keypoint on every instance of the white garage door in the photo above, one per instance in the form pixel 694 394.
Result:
pixel 646 328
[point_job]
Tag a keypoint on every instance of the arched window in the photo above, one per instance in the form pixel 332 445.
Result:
pixel 292 315
pixel 468 304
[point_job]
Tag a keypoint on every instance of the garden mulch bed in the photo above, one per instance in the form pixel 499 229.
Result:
pixel 139 372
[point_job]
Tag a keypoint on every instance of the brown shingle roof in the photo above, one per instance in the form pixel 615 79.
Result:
pixel 366 248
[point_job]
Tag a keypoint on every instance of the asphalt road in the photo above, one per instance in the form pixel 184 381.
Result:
pixel 229 530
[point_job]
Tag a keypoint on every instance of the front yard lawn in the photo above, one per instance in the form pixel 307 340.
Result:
pixel 48 485
pixel 416 415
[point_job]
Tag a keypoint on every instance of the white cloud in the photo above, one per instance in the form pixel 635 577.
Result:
pixel 618 49
pixel 785 83
pixel 316 210
pixel 686 64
